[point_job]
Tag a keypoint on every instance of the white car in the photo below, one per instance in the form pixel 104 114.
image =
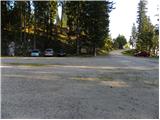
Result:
pixel 35 53
pixel 49 52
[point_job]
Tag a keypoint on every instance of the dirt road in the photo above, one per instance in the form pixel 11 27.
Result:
pixel 113 86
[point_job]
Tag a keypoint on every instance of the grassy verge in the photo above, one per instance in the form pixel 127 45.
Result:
pixel 129 52
pixel 24 64
pixel 133 51
pixel 102 52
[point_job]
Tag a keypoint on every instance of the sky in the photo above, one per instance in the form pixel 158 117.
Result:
pixel 125 14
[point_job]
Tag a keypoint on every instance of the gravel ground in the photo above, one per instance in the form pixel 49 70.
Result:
pixel 113 86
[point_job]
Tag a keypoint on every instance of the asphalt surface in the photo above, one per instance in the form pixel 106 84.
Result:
pixel 113 86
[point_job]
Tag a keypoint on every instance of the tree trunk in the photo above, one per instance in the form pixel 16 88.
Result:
pixel 24 39
pixel 77 44
pixel 94 49
pixel 34 42
pixel 78 31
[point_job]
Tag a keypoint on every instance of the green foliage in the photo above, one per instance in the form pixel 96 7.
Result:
pixel 90 18
pixel 145 36
pixel 31 24
pixel 133 38
pixel 130 52
pixel 45 13
pixel 127 45
pixel 108 44
pixel 141 14
pixel 119 42
pixel 147 39
pixel 19 21
pixel 96 23
pixel 72 10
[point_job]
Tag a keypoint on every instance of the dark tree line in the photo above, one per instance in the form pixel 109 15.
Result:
pixel 35 24
pixel 91 22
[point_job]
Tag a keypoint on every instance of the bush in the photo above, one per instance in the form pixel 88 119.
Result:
pixel 134 52
pixel 131 52
pixel 126 46
pixel 119 42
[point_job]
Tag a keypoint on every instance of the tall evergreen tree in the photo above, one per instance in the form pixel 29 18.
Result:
pixel 143 25
pixel 133 37
pixel 146 31
pixel 5 26
pixel 141 14
pixel 90 17
pixel 97 23
pixel 44 13
pixel 74 10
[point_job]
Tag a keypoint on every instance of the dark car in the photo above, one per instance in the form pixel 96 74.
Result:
pixel 142 54
pixel 35 53
pixel 61 53
pixel 49 52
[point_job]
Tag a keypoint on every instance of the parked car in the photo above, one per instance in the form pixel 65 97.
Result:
pixel 49 52
pixel 35 53
pixel 61 53
pixel 142 54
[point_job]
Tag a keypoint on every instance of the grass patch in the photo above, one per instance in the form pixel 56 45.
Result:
pixel 133 51
pixel 24 64
pixel 102 52
pixel 108 78
pixel 129 52
pixel 154 57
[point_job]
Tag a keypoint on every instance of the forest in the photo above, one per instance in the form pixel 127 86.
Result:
pixel 82 27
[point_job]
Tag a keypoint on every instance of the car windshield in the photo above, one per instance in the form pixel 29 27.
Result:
pixel 35 51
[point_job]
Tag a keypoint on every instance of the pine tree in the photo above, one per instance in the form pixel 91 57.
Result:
pixel 44 16
pixel 97 22
pixel 90 17
pixel 74 10
pixel 145 29
pixel 141 14
pixel 133 38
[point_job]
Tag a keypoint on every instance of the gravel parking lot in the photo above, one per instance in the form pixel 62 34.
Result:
pixel 113 86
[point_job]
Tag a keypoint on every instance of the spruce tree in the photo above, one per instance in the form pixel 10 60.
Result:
pixel 133 37
pixel 146 32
